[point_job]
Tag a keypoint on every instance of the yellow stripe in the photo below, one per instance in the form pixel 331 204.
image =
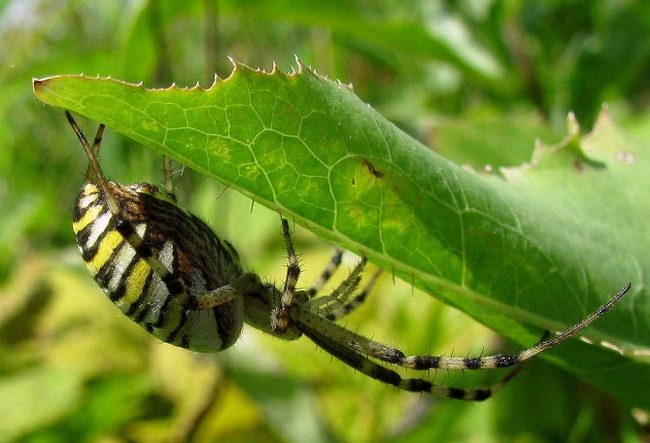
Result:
pixel 173 320
pixel 111 241
pixel 136 281
pixel 88 217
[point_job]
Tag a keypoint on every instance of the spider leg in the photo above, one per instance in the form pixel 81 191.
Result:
pixel 340 295
pixel 280 317
pixel 332 266
pixel 324 335
pixel 350 304
pixel 341 301
pixel 371 348
pixel 352 349
pixel 169 183
pixel 95 150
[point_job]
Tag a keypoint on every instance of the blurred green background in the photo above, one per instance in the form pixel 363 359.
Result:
pixel 475 80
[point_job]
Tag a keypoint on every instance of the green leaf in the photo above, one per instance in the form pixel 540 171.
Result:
pixel 542 244
pixel 40 396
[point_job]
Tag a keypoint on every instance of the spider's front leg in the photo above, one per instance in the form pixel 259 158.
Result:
pixel 423 362
pixel 354 350
pixel 280 315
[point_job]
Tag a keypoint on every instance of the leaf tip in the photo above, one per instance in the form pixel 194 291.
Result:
pixel 604 119
pixel 38 84
pixel 573 126
pixel 299 64
pixel 215 80
pixel 303 68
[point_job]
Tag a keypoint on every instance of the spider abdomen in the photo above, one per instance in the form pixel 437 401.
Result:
pixel 154 260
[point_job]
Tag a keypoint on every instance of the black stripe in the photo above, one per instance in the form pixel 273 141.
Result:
pixel 163 311
pixel 121 288
pixel 174 284
pixel 224 328
pixel 105 273
pixel 416 385
pixel 457 393
pixel 472 362
pixel 481 394
pixel 127 230
pixel 422 362
pixel 503 360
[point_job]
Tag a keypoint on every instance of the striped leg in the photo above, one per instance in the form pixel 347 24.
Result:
pixel 280 316
pixel 331 267
pixel 354 350
pixel 343 299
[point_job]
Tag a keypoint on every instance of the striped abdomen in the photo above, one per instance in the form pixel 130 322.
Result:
pixel 153 259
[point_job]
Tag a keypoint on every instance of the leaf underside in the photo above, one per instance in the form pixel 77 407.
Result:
pixel 542 244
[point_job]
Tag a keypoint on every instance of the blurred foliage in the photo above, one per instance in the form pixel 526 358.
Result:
pixel 469 78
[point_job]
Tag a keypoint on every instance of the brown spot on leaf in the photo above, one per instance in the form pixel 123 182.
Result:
pixel 374 171
pixel 578 165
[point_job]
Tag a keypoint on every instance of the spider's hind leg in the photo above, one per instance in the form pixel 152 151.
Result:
pixel 358 352
pixel 339 342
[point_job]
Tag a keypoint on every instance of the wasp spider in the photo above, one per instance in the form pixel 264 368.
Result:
pixel 167 271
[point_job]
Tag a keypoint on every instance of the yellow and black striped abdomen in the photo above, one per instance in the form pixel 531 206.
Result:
pixel 154 261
